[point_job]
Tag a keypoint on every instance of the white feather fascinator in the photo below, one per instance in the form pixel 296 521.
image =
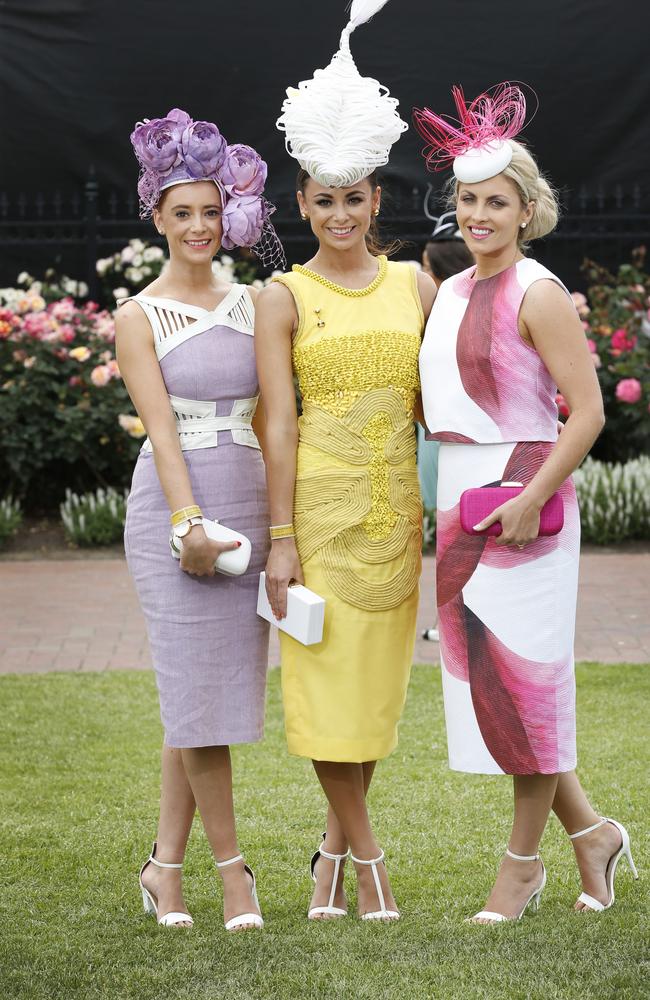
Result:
pixel 340 126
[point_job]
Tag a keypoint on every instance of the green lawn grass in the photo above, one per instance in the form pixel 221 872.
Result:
pixel 79 786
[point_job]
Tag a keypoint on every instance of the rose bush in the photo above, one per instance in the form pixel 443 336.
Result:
pixel 616 316
pixel 60 397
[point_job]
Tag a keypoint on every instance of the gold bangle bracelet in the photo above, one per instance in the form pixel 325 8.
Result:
pixel 184 513
pixel 281 531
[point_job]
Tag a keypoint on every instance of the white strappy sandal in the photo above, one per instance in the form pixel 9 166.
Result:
pixel 338 859
pixel 610 872
pixel 534 898
pixel 243 918
pixel 172 919
pixel 382 913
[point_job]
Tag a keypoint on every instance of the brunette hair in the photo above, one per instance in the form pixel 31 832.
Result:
pixel 376 245
pixel 447 257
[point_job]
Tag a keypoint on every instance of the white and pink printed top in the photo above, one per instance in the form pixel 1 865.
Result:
pixel 481 382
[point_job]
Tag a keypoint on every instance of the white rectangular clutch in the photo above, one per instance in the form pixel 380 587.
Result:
pixel 305 612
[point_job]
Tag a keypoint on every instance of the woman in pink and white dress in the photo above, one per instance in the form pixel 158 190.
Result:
pixel 502 336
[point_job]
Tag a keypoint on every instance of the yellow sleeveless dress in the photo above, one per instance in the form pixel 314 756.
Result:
pixel 357 511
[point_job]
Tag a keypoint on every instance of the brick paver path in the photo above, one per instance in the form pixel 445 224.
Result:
pixel 83 614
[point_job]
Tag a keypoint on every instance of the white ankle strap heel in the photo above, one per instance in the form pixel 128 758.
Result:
pixel 243 918
pixel 382 913
pixel 338 859
pixel 498 918
pixel 173 919
pixel 610 872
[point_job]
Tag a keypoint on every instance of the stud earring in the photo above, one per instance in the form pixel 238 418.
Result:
pixel 523 225
pixel 303 217
pixel 376 212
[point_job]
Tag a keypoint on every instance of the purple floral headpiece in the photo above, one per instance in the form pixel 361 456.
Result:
pixel 178 150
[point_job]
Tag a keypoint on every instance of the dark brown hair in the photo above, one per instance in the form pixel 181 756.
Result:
pixel 376 245
pixel 447 257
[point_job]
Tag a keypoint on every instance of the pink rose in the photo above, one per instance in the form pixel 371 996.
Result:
pixel 622 341
pixel 628 390
pixel 113 368
pixel 562 407
pixel 67 334
pixel 596 360
pixel 591 344
pixel 74 381
pixel 63 310
pixel 100 375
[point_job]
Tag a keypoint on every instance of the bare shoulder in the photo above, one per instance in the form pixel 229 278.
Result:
pixel 276 299
pixel 547 294
pixel 427 290
pixel 253 293
pixel 130 321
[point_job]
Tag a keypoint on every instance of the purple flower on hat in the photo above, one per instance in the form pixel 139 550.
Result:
pixel 156 144
pixel 243 171
pixel 180 120
pixel 203 148
pixel 242 219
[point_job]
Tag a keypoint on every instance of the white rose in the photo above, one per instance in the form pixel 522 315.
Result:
pixel 121 293
pixel 101 265
pixel 138 245
pixel 24 278
pixel 137 260
pixel 127 255
pixel 153 253
pixel 133 275
pixel 82 289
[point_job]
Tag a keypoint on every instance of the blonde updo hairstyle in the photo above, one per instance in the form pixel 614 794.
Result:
pixel 532 186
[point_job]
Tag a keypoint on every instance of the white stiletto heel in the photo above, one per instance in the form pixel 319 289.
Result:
pixel 534 898
pixel 243 918
pixel 338 859
pixel 172 919
pixel 382 913
pixel 610 872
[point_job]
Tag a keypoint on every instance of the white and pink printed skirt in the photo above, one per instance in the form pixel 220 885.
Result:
pixel 507 624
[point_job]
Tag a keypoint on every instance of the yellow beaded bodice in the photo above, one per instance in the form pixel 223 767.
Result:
pixel 357 500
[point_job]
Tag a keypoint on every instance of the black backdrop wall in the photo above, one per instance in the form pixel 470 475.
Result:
pixel 76 74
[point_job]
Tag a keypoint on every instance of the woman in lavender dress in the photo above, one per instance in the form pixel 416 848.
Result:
pixel 185 348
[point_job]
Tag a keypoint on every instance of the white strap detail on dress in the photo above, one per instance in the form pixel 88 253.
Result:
pixel 173 322
pixel 198 425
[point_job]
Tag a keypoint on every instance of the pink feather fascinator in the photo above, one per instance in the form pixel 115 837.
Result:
pixel 476 142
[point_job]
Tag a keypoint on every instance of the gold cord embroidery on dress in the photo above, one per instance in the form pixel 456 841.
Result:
pixel 363 592
pixel 373 513
pixel 337 370
pixel 353 293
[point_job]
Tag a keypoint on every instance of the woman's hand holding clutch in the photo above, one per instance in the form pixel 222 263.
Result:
pixel 282 568
pixel 199 553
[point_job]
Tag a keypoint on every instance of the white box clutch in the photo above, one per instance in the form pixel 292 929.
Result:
pixel 305 613
pixel 234 562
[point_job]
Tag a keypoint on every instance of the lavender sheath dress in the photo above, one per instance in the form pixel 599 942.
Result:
pixel 208 646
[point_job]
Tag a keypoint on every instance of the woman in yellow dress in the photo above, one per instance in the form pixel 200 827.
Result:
pixel 343 489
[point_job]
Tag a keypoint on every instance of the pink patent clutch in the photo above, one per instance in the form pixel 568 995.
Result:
pixel 476 504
